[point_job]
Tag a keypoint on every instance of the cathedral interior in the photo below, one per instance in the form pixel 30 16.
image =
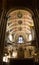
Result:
pixel 19 32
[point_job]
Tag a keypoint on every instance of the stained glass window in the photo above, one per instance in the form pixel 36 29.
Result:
pixel 20 40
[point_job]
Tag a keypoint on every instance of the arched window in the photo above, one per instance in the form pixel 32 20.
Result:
pixel 20 39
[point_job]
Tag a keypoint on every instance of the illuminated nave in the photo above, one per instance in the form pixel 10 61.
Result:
pixel 19 32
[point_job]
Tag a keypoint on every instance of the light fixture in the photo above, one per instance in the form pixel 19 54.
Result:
pixel 5 58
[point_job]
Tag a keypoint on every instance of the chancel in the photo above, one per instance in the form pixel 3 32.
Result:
pixel 19 32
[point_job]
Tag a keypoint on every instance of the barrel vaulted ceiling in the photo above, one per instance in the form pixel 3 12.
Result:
pixel 19 21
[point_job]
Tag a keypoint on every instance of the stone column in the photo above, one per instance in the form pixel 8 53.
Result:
pixel 36 22
pixel 2 30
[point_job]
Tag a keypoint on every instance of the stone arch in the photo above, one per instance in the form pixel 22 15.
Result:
pixel 25 9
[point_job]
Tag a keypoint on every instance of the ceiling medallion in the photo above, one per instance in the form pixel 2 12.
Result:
pixel 19 14
pixel 20 22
